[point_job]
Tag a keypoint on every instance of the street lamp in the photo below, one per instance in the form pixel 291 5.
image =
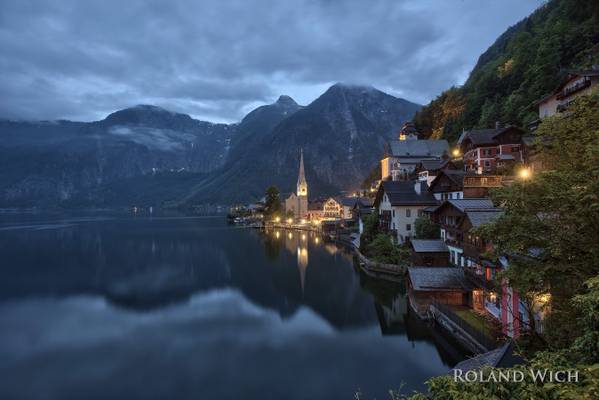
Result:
pixel 525 174
pixel 289 221
pixel 277 219
pixel 456 152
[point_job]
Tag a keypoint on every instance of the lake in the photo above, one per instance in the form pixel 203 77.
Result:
pixel 111 306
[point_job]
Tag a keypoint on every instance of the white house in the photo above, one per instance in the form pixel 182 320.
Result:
pixel 399 204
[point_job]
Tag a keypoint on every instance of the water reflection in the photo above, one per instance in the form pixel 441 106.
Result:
pixel 108 297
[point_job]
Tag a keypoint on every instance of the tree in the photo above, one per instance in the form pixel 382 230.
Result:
pixel 272 204
pixel 550 227
pixel 382 250
pixel 371 230
pixel 426 229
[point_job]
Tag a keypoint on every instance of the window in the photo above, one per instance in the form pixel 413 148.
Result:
pixel 451 195
pixel 408 227
pixel 487 163
pixel 420 213
pixel 394 226
pixel 393 211
pixel 408 213
pixel 515 149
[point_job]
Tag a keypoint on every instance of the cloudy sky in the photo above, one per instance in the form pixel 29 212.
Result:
pixel 216 60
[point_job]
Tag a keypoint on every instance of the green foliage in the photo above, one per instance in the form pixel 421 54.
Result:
pixel 556 214
pixel 576 358
pixel 272 203
pixel 371 230
pixel 525 63
pixel 382 250
pixel 426 229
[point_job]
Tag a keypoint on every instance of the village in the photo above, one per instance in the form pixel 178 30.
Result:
pixel 430 204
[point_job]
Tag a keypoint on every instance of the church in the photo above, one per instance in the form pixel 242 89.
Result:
pixel 297 203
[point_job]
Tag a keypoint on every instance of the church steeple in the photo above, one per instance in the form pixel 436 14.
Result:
pixel 302 185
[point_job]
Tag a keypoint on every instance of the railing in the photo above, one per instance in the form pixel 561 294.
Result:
pixel 488 342
pixel 584 83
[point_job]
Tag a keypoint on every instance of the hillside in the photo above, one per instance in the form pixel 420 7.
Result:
pixel 525 63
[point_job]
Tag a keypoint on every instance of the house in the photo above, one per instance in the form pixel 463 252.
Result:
pixel 315 210
pixel 478 186
pixel 399 204
pixel 575 84
pixel 429 253
pixel 449 216
pixel 352 204
pixel 448 184
pixel 428 170
pixel 489 150
pixel 402 156
pixel 332 209
pixel 434 284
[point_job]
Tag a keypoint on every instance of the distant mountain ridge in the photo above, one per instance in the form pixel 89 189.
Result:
pixel 147 155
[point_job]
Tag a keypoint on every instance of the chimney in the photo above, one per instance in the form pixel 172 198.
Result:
pixel 497 125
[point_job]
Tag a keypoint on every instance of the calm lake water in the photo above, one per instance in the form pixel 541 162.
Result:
pixel 121 306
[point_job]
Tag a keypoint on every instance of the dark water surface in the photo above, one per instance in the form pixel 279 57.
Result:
pixel 127 307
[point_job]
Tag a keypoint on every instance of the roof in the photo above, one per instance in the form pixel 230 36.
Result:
pixel 468 204
pixel 481 217
pixel 433 165
pixel 502 357
pixel 438 278
pixel 418 148
pixel 479 136
pixel 429 246
pixel 403 193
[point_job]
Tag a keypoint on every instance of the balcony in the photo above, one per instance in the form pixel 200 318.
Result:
pixel 582 84
pixel 478 279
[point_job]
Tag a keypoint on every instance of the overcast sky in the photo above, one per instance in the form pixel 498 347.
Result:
pixel 216 60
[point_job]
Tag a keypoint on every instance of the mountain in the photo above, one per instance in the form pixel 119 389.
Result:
pixel 146 155
pixel 119 158
pixel 342 134
pixel 525 63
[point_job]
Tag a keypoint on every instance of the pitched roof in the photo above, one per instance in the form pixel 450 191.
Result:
pixel 433 165
pixel 479 136
pixel 418 148
pixel 481 217
pixel 436 278
pixel 468 204
pixel 403 193
pixel 501 357
pixel 429 246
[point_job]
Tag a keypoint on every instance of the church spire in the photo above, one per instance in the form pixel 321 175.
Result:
pixel 302 185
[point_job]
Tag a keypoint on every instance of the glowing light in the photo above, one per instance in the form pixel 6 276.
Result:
pixel 289 220
pixel 290 235
pixel 456 152
pixel 493 296
pixel 543 299
pixel 316 240
pixel 303 237
pixel 277 219
pixel 277 234
pixel 303 221
pixel 524 173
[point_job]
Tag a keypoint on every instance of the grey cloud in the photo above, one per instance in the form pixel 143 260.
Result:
pixel 81 60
